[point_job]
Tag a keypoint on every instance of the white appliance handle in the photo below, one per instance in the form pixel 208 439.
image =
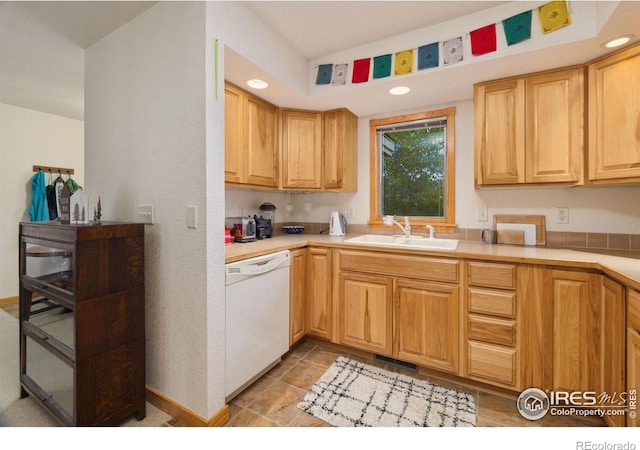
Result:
pixel 259 265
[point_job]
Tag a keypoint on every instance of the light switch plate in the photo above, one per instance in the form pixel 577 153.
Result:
pixel 145 214
pixel 192 216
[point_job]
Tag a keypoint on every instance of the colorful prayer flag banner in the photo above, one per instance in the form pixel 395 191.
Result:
pixel 517 28
pixel 324 74
pixel 483 40
pixel 553 16
pixel 428 56
pixel 382 66
pixel 452 51
pixel 339 74
pixel 361 68
pixel 404 62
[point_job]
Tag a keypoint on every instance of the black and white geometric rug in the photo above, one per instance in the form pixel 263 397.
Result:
pixel 353 394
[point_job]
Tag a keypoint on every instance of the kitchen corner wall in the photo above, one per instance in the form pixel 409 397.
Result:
pixel 152 126
pixel 595 209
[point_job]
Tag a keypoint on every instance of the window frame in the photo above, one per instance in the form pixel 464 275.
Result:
pixel 446 223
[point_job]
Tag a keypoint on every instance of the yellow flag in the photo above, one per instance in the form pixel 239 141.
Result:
pixel 553 16
pixel 404 62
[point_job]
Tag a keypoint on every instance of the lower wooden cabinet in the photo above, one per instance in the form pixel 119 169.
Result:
pixel 613 340
pixel 297 295
pixel 633 355
pixel 319 298
pixel 427 324
pixel 365 312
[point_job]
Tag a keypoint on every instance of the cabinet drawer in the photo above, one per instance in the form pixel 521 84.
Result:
pixel 495 331
pixel 491 362
pixel 633 309
pixel 495 275
pixel 495 303
pixel 422 268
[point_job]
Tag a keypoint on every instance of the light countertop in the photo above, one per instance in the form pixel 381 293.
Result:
pixel 625 270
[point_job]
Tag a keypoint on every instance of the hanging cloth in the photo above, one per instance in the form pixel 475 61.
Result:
pixel 57 188
pixel 51 200
pixel 39 210
pixel 72 185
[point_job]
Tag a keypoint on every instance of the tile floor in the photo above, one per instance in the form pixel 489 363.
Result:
pixel 271 401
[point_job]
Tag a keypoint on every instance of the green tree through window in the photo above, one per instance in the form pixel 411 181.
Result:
pixel 413 171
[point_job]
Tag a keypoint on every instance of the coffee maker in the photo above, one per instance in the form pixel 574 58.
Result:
pixel 264 223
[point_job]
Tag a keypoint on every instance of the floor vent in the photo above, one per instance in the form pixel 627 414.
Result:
pixel 396 362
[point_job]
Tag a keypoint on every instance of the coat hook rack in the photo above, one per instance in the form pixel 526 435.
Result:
pixel 60 170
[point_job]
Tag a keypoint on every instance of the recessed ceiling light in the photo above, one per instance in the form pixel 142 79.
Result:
pixel 257 84
pixel 617 42
pixel 399 90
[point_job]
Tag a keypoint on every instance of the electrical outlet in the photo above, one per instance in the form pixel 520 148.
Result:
pixel 562 215
pixel 307 206
pixel 482 214
pixel 351 212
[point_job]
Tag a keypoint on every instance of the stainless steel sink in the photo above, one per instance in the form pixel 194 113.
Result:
pixel 405 242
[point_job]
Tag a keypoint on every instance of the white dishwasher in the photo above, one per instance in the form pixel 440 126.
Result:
pixel 257 318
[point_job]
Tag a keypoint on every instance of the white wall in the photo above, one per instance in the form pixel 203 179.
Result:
pixel 602 209
pixel 30 138
pixel 153 137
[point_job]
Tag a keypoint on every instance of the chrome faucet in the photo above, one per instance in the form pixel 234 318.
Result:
pixel 431 230
pixel 390 221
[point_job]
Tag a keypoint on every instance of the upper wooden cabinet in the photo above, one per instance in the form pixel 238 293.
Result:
pixel 301 149
pixel 318 151
pixel 529 130
pixel 251 146
pixel 340 150
pixel 614 117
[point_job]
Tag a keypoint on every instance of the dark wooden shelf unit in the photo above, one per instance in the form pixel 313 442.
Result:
pixel 82 341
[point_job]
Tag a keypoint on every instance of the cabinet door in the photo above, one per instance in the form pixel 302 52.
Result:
pixel 633 374
pixel 297 293
pixel 365 312
pixel 427 324
pixel 318 302
pixel 572 332
pixel 554 127
pixel 614 116
pixel 499 132
pixel 339 143
pixel 233 134
pixel 260 141
pixel 301 149
pixel 613 339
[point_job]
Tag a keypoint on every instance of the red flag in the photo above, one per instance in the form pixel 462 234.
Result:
pixel 483 40
pixel 361 69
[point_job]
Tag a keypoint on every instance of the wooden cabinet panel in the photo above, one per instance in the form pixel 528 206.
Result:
pixel 340 149
pixel 554 127
pixel 499 132
pixel 233 134
pixel 495 303
pixel 492 363
pixel 613 340
pixel 633 309
pixel 423 268
pixel 574 333
pixel 297 294
pixel 495 331
pixel 633 373
pixel 614 117
pixel 261 149
pixel 365 312
pixel 426 324
pixel 494 275
pixel 318 304
pixel 301 149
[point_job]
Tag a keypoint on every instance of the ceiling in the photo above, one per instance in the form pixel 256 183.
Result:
pixel 42 48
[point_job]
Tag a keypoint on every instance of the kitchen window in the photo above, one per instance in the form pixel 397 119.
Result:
pixel 412 168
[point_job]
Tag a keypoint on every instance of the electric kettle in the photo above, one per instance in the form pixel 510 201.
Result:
pixel 337 224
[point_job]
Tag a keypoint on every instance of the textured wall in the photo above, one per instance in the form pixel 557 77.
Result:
pixel 29 138
pixel 147 142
